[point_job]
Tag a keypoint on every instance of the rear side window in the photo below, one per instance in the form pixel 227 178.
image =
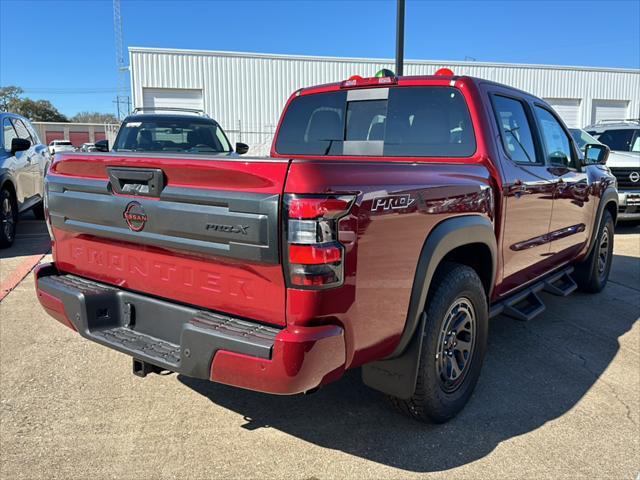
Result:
pixel 8 134
pixel 412 122
pixel 22 130
pixel 514 129
pixel 34 135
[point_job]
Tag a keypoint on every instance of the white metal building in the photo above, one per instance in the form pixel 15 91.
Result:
pixel 245 92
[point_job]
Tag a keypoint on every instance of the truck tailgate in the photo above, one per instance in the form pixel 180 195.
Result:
pixel 200 231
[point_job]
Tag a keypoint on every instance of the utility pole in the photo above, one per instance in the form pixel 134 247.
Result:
pixel 122 96
pixel 400 38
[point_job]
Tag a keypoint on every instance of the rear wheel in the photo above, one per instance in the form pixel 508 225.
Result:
pixel 8 218
pixel 453 346
pixel 592 274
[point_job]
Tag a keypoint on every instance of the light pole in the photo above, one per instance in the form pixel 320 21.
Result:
pixel 400 38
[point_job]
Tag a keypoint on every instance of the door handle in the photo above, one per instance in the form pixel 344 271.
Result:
pixel 518 188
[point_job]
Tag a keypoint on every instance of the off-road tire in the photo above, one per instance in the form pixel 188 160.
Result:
pixel 431 402
pixel 592 274
pixel 8 219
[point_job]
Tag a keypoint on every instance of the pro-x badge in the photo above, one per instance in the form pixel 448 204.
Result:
pixel 391 202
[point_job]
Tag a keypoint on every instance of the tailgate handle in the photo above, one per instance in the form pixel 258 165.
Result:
pixel 146 182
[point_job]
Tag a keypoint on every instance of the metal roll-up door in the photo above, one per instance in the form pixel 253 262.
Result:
pixel 568 109
pixel 172 98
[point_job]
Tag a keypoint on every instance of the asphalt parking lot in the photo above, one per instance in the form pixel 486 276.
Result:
pixel 559 398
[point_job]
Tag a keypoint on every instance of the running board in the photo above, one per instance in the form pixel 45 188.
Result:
pixel 561 283
pixel 527 304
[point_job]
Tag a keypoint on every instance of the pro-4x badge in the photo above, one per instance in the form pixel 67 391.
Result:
pixel 391 202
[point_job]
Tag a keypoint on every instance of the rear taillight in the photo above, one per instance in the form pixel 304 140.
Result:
pixel 314 256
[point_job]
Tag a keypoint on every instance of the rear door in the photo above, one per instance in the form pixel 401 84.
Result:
pixel 573 202
pixel 32 165
pixel 17 164
pixel 528 191
pixel 198 230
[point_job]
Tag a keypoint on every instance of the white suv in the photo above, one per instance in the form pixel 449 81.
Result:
pixel 56 146
pixel 623 138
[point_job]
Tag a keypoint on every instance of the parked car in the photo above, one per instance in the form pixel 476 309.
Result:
pixel 172 132
pixel 623 138
pixel 88 147
pixel 582 139
pixel 23 164
pixel 393 219
pixel 57 146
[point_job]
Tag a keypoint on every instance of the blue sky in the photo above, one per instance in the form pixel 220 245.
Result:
pixel 63 51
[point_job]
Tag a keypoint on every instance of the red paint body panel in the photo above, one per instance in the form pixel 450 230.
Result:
pixel 52 305
pixel 372 304
pixel 244 175
pixel 302 359
pixel 254 291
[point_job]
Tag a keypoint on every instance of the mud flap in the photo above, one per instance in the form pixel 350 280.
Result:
pixel 397 376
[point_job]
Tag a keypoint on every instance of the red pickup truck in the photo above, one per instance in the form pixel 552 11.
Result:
pixel 394 217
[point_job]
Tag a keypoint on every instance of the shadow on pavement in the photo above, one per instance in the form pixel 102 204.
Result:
pixel 534 373
pixel 628 228
pixel 32 238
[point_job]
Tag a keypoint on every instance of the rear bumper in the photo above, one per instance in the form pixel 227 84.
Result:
pixel 196 343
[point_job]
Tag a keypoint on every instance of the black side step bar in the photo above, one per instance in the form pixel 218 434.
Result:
pixel 527 304
pixel 560 284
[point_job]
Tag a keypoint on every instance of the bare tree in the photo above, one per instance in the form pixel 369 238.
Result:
pixel 94 117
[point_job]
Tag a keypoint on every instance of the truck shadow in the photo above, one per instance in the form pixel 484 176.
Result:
pixel 628 228
pixel 534 373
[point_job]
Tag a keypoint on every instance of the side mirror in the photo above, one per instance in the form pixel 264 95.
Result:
pixel 19 145
pixel 595 154
pixel 241 148
pixel 102 146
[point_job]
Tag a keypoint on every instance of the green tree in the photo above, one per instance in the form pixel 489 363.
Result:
pixel 37 110
pixel 94 117
pixel 8 95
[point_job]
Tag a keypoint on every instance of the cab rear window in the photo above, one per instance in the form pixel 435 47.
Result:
pixel 394 122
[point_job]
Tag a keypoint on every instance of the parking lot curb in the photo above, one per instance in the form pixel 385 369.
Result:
pixel 19 274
